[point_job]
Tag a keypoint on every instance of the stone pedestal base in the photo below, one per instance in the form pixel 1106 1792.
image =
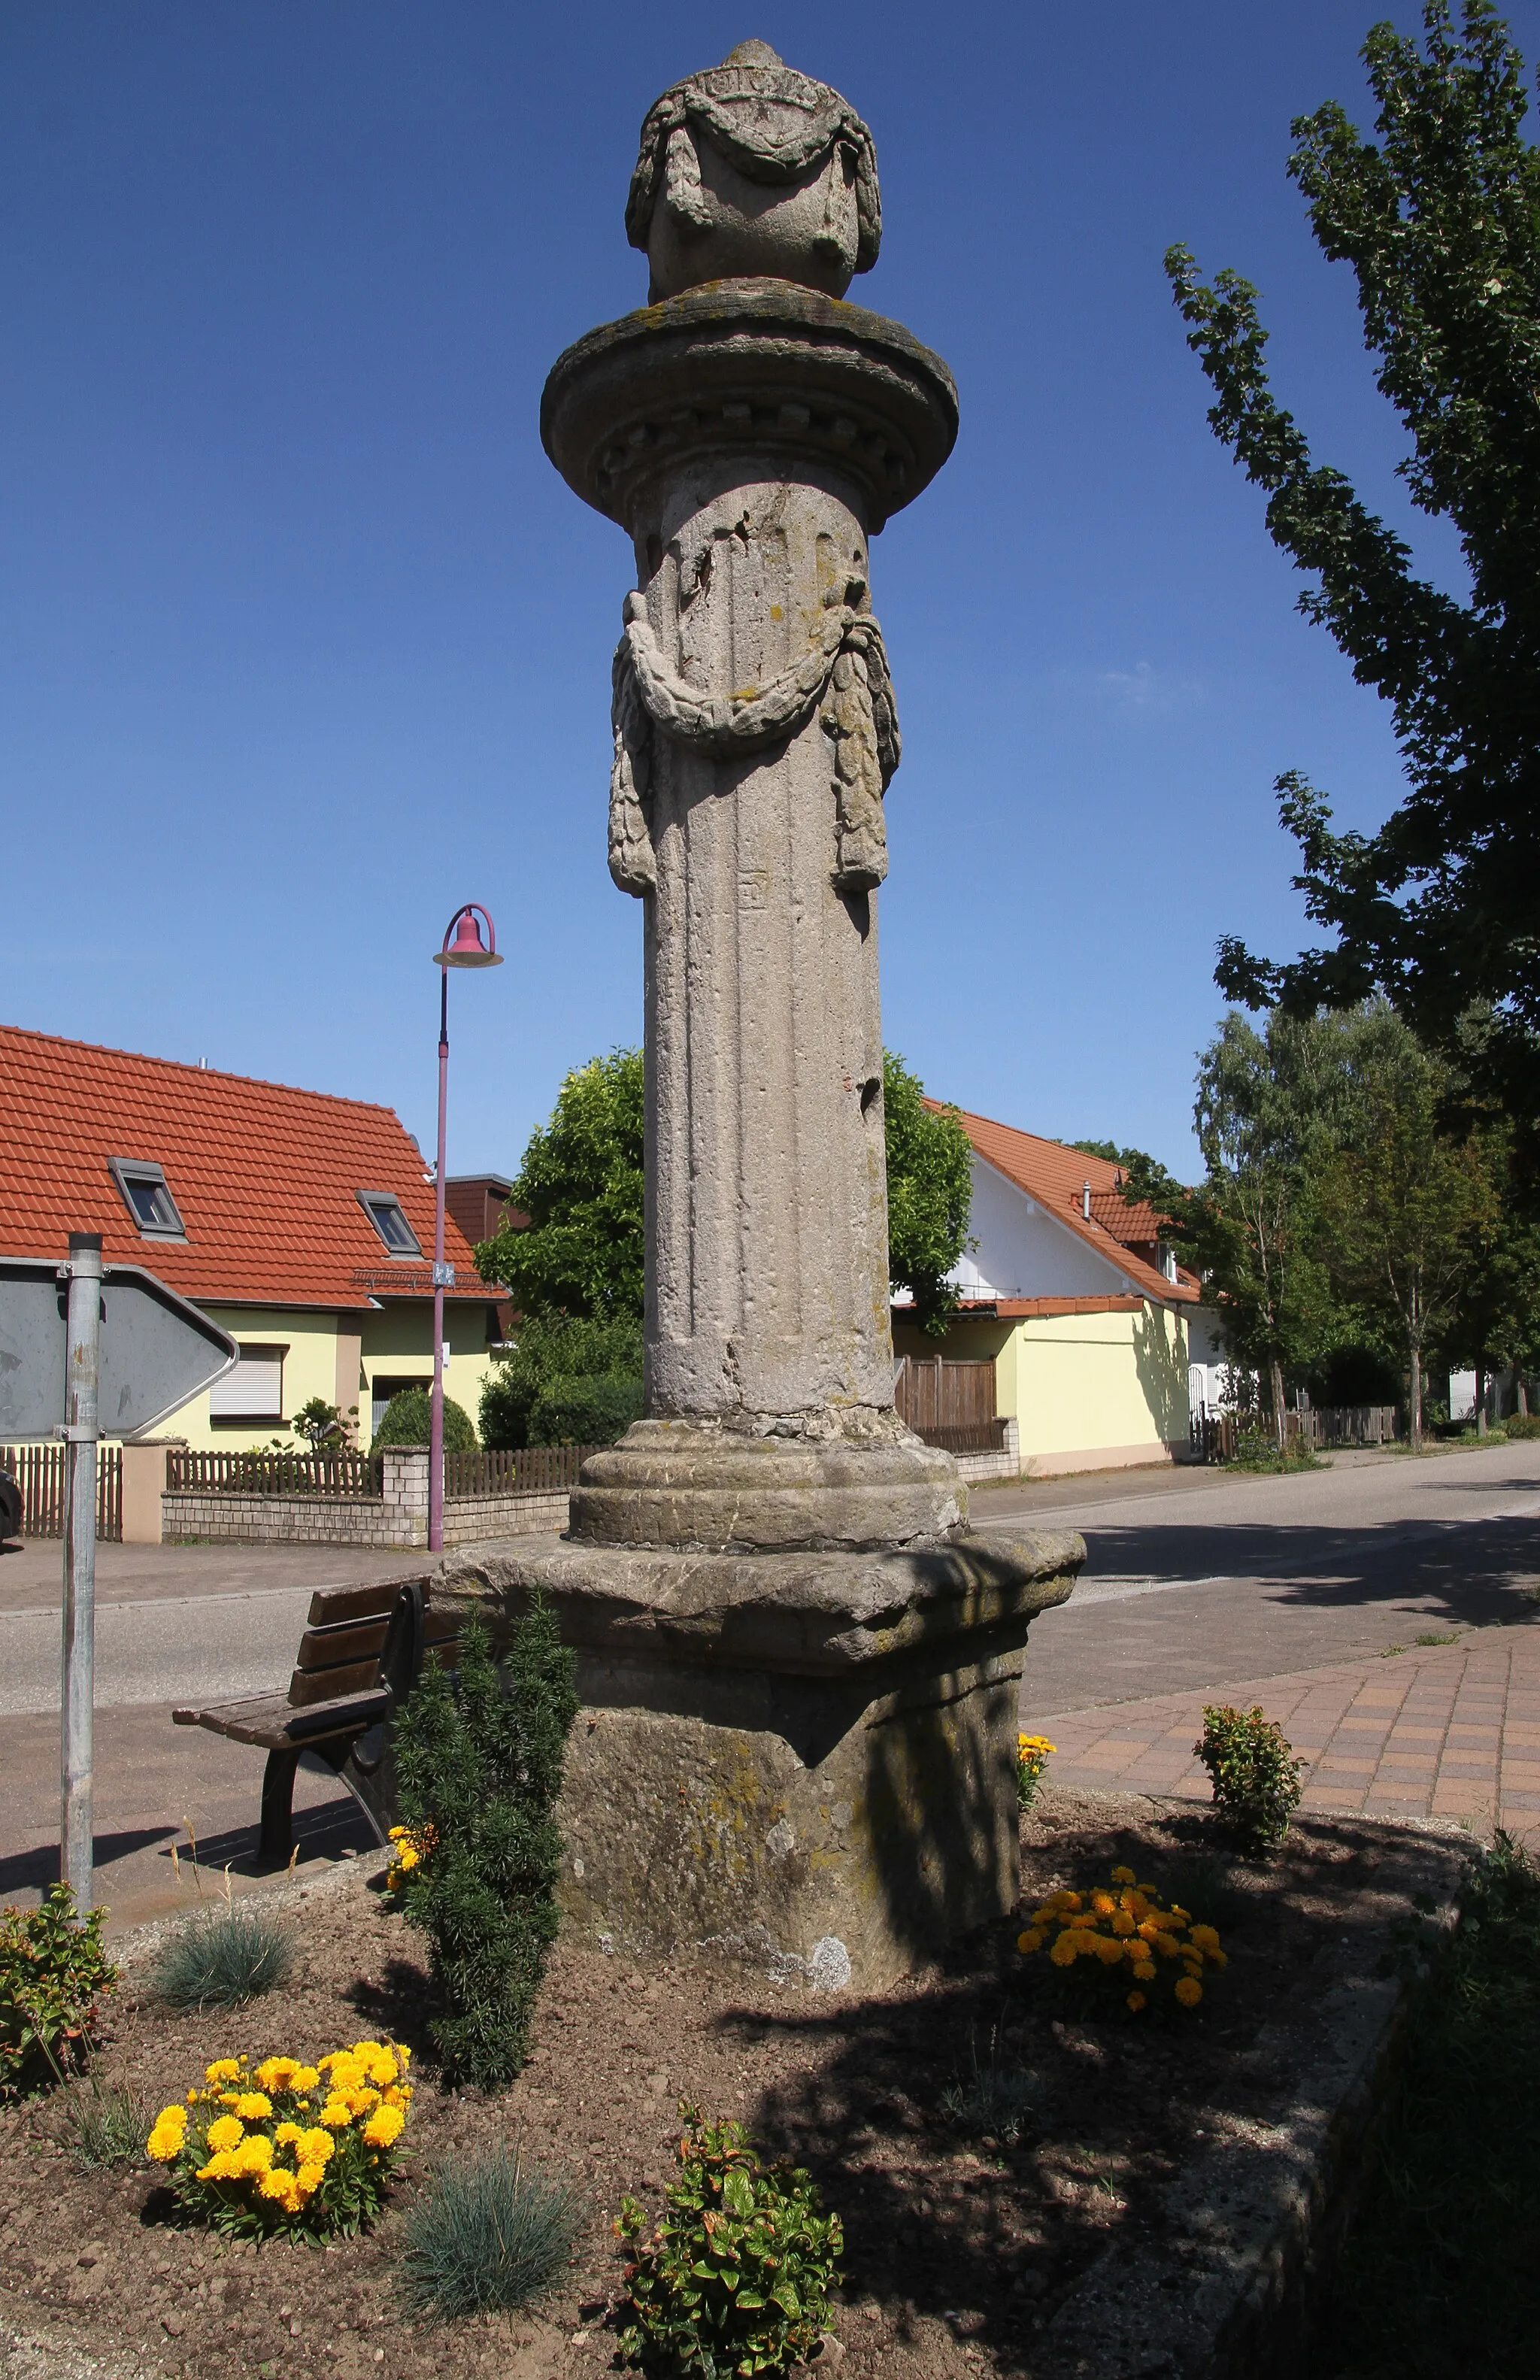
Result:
pixel 806 1760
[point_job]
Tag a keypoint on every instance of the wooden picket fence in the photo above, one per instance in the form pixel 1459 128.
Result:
pixel 950 1405
pixel 41 1472
pixel 479 1471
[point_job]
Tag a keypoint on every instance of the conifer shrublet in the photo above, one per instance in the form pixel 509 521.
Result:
pixel 478 1754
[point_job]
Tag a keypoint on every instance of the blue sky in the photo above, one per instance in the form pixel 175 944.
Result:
pixel 302 641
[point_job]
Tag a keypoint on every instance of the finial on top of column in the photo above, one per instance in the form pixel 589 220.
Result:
pixel 752 170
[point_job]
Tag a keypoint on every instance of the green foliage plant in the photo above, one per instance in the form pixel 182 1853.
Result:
pixel 1438 2273
pixel 929 1195
pixel 407 1420
pixel 1439 219
pixel 223 1959
pixel 735 2279
pixel 579 1183
pixel 994 2100
pixel 1258 1449
pixel 54 1970
pixel 324 1428
pixel 586 1411
pixel 104 2124
pixel 1032 1759
pixel 485 2237
pixel 1255 1773
pixel 551 1355
pixel 479 1757
pixel 1521 1425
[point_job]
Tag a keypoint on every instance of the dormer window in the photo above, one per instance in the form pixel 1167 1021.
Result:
pixel 147 1196
pixel 384 1211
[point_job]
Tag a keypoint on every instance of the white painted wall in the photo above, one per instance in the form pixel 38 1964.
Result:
pixel 1023 1251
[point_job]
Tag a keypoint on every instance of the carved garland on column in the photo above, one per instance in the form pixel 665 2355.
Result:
pixel 845 671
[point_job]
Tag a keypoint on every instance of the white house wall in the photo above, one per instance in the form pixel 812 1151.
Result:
pixel 1023 1251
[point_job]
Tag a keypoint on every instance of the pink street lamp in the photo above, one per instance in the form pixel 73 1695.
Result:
pixel 465 950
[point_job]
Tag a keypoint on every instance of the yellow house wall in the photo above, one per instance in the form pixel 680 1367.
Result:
pixel 1081 1383
pixel 338 1356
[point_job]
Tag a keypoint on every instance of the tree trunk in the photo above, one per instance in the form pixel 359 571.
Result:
pixel 1481 1400
pixel 1416 1414
pixel 1275 1373
pixel 1520 1390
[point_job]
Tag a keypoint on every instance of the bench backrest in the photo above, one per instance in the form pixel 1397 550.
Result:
pixel 344 1635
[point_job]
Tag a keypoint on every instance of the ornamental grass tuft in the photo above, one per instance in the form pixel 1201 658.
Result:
pixel 289 2147
pixel 993 2101
pixel 736 2276
pixel 105 2125
pixel 1255 1776
pixel 223 1958
pixel 486 2237
pixel 1127 1941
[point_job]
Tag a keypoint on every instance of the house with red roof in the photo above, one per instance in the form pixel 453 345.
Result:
pixel 1075 1302
pixel 301 1222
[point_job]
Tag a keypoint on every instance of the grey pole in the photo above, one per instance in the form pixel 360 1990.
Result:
pixel 82 1365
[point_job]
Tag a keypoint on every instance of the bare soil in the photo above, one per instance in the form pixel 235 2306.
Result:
pixel 959 2246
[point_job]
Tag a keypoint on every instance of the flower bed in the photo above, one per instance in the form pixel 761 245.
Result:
pixel 961 2245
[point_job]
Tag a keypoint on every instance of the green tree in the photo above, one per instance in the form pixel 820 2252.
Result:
pixel 557 1363
pixel 930 1194
pixel 1497 1322
pixel 1404 1205
pixel 1440 222
pixel 1267 1108
pixel 580 1185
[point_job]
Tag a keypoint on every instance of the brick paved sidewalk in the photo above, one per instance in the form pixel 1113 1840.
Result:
pixel 1447 1731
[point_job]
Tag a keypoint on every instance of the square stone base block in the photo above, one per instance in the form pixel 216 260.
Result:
pixel 806 1761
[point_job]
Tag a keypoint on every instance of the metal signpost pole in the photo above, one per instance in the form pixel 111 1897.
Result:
pixel 82 1348
pixel 465 950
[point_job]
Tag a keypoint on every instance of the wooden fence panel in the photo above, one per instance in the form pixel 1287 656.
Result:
pixel 41 1472
pixel 933 1395
pixel 268 1473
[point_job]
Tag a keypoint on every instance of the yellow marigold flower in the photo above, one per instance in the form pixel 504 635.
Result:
pixel 170 2129
pixel 174 2116
pixel 1136 1905
pixel 337 2114
pixel 254 2154
pixel 1123 1875
pixel 279 2183
pixel 1217 1958
pixel 1145 1970
pixel 225 2132
pixel 1107 1950
pixel 277 2073
pixel 1204 1936
pixel 308 2180
pixel 398 2096
pixel 1183 1916
pixel 382 2068
pixel 287 2135
pixel 1064 1951
pixel 1189 1991
pixel 1135 2001
pixel 1067 1899
pixel 315 2147
pixel 223 2070
pixel 1166 1946
pixel 404 2055
pixel 304 2078
pixel 1103 1903
pixel 253 2106
pixel 1122 1924
pixel 1031 1940
pixel 384 2126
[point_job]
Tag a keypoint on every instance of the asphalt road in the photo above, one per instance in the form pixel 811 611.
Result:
pixel 1192 1579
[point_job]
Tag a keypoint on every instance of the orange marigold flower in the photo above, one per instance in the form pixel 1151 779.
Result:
pixel 1189 1991
pixel 1135 2001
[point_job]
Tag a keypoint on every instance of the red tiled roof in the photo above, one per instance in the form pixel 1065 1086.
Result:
pixel 264 1176
pixel 1056 1175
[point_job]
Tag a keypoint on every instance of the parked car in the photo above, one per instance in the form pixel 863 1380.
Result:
pixel 10 1506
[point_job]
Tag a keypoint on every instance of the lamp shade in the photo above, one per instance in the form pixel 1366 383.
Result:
pixel 467 949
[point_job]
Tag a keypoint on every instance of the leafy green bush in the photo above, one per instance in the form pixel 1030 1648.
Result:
pixel 478 1758
pixel 736 2276
pixel 52 1969
pixel 223 1959
pixel 409 1418
pixel 550 1351
pixel 1521 1425
pixel 1258 1450
pixel 1255 1774
pixel 486 2236
pixel 585 1411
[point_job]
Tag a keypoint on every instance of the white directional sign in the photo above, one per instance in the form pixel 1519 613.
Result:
pixel 156 1349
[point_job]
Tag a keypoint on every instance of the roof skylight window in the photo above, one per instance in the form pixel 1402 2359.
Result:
pixel 384 1211
pixel 148 1197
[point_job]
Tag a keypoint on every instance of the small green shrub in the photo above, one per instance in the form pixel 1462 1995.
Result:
pixel 222 1959
pixel 408 1419
pixel 737 2275
pixel 479 1757
pixel 585 1411
pixel 52 1968
pixel 551 1351
pixel 486 2236
pixel 1255 1774
pixel 1258 1450
pixel 1521 1425
pixel 106 2126
pixel 992 2101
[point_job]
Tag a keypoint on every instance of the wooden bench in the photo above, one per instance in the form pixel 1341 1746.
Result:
pixel 361 1653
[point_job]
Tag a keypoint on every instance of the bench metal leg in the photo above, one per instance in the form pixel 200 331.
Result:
pixel 277 1830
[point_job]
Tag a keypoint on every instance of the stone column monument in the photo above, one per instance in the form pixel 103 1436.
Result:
pixel 799 1666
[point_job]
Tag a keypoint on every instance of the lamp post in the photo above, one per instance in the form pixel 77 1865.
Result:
pixel 462 947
